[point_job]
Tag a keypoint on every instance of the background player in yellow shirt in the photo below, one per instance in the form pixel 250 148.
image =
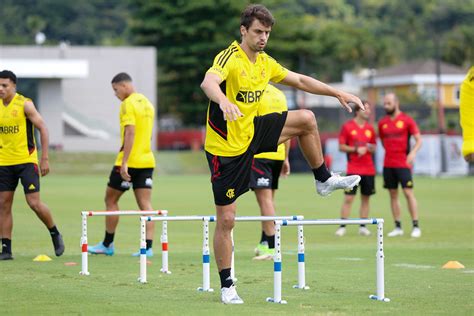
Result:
pixel 134 164
pixel 266 170
pixel 466 111
pixel 19 161
pixel 234 132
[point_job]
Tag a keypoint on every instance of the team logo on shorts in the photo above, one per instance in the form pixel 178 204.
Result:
pixel 399 124
pixel 230 193
pixel 125 184
pixel 149 182
pixel 263 182
pixel 31 187
pixel 409 184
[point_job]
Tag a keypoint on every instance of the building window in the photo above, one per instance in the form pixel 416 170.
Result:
pixel 457 94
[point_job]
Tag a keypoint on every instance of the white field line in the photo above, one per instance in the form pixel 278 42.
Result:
pixel 413 266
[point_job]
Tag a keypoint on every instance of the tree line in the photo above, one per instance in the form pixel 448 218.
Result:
pixel 316 37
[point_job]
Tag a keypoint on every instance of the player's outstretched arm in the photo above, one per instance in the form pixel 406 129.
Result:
pixel 38 122
pixel 210 86
pixel 314 86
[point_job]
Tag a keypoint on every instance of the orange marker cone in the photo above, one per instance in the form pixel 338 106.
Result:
pixel 453 265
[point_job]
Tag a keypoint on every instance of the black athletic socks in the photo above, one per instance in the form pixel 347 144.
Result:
pixel 270 240
pixel 343 225
pixel 398 224
pixel 226 280
pixel 108 239
pixel 149 244
pixel 53 231
pixel 6 245
pixel 321 173
pixel 415 223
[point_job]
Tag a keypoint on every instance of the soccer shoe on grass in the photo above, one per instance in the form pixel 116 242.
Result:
pixel 336 182
pixel 265 254
pixel 149 253
pixel 229 296
pixel 58 244
pixel 341 231
pixel 416 232
pixel 363 231
pixel 6 256
pixel 396 232
pixel 261 248
pixel 100 249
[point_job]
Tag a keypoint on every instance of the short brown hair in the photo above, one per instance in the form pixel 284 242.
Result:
pixel 256 11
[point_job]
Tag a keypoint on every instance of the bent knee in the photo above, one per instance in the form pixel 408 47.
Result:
pixel 308 120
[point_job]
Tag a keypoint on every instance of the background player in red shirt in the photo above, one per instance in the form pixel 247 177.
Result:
pixel 357 139
pixel 395 130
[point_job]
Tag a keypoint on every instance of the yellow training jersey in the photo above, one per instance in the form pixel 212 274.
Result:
pixel 138 111
pixel 466 109
pixel 17 141
pixel 243 83
pixel 273 100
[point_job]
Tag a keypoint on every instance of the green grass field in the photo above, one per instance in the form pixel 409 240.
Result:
pixel 340 271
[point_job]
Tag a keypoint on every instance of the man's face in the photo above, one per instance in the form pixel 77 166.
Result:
pixel 390 104
pixel 7 88
pixel 256 36
pixel 120 89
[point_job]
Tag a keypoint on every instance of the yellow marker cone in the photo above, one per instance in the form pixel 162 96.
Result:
pixel 42 258
pixel 453 265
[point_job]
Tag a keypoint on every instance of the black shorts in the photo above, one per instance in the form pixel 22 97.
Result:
pixel 367 186
pixel 393 176
pixel 142 178
pixel 28 173
pixel 230 176
pixel 265 173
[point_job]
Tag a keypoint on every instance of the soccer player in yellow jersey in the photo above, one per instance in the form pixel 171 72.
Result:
pixel 266 170
pixel 234 133
pixel 19 161
pixel 466 110
pixel 134 164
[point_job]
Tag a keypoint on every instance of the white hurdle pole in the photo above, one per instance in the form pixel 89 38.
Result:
pixel 257 219
pixel 164 248
pixel 380 257
pixel 277 267
pixel 85 214
pixel 380 266
pixel 143 278
pixel 301 265
pixel 206 271
pixel 84 262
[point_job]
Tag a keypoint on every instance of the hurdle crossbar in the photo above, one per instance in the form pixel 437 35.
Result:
pixel 86 214
pixel 277 264
pixel 206 249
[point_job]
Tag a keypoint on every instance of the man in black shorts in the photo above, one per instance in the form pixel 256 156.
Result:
pixel 357 139
pixel 19 161
pixel 134 164
pixel 266 170
pixel 234 134
pixel 395 131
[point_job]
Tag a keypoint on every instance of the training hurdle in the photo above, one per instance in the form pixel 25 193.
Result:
pixel 206 248
pixel 86 214
pixel 277 264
